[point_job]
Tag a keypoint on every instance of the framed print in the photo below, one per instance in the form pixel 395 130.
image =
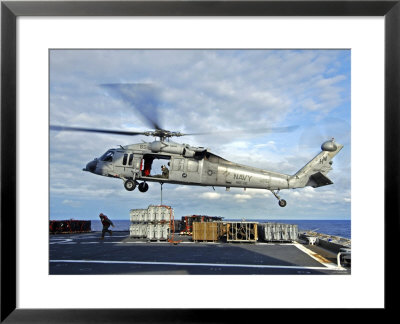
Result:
pixel 38 35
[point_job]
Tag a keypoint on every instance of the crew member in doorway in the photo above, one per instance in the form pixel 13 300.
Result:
pixel 106 224
pixel 165 171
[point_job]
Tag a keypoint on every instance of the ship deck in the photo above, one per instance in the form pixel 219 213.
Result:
pixel 119 254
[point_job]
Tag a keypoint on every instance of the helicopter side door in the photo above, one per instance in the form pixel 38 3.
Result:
pixel 177 169
pixel 124 164
pixel 185 170
pixel 194 168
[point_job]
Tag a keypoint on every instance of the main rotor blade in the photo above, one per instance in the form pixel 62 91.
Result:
pixel 266 130
pixel 143 97
pixel 330 127
pixel 94 130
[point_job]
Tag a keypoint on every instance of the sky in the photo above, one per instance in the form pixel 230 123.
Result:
pixel 202 91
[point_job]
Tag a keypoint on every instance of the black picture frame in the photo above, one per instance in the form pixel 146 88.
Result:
pixel 10 10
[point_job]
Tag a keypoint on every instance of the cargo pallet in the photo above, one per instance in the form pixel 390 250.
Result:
pixel 206 231
pixel 278 232
pixel 159 239
pixel 241 232
pixel 70 226
pixel 145 223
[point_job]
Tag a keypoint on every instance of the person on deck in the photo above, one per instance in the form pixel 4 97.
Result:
pixel 106 224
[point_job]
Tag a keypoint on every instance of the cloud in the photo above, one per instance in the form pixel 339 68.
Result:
pixel 246 89
pixel 72 203
pixel 210 195
pixel 242 197
pixel 270 144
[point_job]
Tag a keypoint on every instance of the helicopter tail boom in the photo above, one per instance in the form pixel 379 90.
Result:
pixel 314 172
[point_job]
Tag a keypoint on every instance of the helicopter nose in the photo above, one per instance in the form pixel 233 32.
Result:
pixel 91 166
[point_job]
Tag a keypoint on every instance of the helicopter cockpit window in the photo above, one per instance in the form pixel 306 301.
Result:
pixel 107 157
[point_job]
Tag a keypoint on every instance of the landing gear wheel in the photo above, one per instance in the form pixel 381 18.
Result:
pixel 129 185
pixel 143 187
pixel 282 202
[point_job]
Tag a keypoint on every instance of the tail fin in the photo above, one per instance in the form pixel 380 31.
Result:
pixel 314 172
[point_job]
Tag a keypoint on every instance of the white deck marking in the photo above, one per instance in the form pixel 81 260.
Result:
pixel 312 254
pixel 61 241
pixel 116 235
pixel 222 265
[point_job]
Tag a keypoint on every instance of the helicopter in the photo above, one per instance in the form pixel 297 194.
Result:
pixel 198 166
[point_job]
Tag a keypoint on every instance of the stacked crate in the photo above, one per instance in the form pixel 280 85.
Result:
pixel 138 218
pixel 241 232
pixel 207 231
pixel 69 226
pixel 275 232
pixel 152 223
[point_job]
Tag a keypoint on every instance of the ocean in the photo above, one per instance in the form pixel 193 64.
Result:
pixel 340 228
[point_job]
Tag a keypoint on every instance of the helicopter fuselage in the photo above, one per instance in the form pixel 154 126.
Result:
pixel 204 169
pixel 187 165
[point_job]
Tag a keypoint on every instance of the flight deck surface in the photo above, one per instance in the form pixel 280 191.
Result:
pixel 119 254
